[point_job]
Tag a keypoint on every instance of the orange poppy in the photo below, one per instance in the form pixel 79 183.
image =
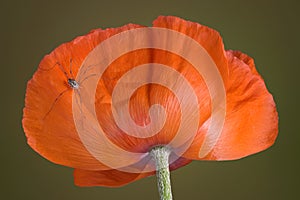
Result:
pixel 250 124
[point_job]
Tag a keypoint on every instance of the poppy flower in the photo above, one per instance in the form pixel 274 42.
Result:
pixel 250 121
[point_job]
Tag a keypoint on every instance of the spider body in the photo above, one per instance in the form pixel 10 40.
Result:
pixel 73 84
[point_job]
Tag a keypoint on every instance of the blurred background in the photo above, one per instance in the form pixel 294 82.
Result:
pixel 266 30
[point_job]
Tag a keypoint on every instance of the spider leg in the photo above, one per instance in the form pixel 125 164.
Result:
pixel 60 66
pixel 71 72
pixel 63 70
pixel 81 81
pixel 82 115
pixel 87 69
pixel 79 103
pixel 55 101
pixel 57 63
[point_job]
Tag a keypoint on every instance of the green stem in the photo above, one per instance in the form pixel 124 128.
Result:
pixel 161 156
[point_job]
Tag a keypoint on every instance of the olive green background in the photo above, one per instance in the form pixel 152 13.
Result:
pixel 266 30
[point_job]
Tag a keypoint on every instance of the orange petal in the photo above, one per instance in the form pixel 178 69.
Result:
pixel 251 123
pixel 47 118
pixel 146 96
pixel 108 178
pixel 208 38
pixel 154 94
pixel 245 58
pixel 115 178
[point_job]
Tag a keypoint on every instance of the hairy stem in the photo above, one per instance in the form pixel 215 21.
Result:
pixel 161 156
